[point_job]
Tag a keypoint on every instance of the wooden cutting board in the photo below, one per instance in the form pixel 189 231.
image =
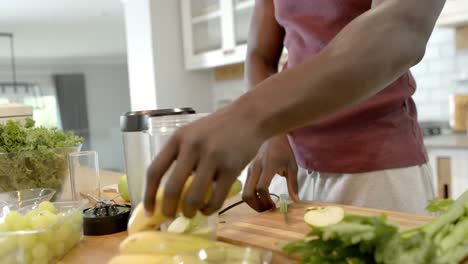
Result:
pixel 265 230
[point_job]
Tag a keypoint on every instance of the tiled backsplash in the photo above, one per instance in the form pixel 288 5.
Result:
pixel 435 76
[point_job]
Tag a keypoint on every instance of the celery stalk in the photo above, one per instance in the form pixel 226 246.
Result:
pixel 463 199
pixel 455 212
pixel 444 231
pixel 454 255
pixel 456 236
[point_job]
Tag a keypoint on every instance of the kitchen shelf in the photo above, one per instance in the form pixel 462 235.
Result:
pixel 244 5
pixel 206 17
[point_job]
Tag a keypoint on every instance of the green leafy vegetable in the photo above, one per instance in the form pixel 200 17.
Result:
pixel 33 157
pixel 353 240
pixel 361 239
pixel 439 205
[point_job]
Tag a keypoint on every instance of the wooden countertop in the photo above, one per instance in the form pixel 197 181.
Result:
pixel 100 249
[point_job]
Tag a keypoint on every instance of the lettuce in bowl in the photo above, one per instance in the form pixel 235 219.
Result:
pixel 34 157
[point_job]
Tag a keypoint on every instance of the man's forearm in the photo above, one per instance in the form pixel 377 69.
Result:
pixel 366 56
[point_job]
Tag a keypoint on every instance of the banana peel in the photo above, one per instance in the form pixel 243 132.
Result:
pixel 139 221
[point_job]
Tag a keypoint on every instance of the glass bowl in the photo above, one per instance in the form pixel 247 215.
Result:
pixel 17 199
pixel 43 168
pixel 42 244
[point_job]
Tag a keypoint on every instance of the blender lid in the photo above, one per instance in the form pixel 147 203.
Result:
pixel 138 120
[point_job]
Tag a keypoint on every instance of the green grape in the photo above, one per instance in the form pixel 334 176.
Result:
pixel 73 240
pixel 44 260
pixel 47 206
pixel 7 244
pixel 51 218
pixel 59 249
pixel 64 231
pixel 39 223
pixel 3 227
pixel 27 258
pixel 46 236
pixel 10 258
pixel 43 220
pixel 27 241
pixel 77 226
pixel 15 221
pixel 77 217
pixel 40 251
pixel 32 213
pixel 22 223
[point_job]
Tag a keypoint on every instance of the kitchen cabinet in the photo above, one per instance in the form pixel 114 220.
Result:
pixel 450 171
pixel 448 156
pixel 455 13
pixel 215 32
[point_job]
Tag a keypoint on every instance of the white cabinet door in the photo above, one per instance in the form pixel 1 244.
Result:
pixel 202 27
pixel 215 31
pixel 242 13
pixel 455 13
pixel 458 169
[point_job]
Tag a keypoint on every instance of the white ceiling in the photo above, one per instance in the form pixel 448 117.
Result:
pixel 49 29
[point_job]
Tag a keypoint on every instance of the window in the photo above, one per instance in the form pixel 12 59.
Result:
pixel 45 108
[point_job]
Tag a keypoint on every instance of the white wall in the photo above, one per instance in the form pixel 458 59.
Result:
pixel 161 40
pixel 63 28
pixel 175 86
pixel 107 97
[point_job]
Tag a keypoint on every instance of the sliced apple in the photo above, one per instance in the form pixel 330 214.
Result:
pixel 180 225
pixel 323 216
pixel 183 224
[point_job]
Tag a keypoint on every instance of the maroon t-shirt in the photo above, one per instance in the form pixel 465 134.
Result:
pixel 380 133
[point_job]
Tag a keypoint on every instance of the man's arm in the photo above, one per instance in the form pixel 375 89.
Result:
pixel 265 44
pixel 367 55
pixel 275 156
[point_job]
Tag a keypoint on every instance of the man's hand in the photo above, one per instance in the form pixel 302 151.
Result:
pixel 215 149
pixel 274 157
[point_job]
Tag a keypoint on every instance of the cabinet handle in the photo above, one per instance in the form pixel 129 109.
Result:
pixel 446 194
pixel 229 51
pixel 444 171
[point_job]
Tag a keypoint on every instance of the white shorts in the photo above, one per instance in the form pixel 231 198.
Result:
pixel 405 189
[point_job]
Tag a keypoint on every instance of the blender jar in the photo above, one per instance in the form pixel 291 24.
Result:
pixel 141 142
pixel 163 127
